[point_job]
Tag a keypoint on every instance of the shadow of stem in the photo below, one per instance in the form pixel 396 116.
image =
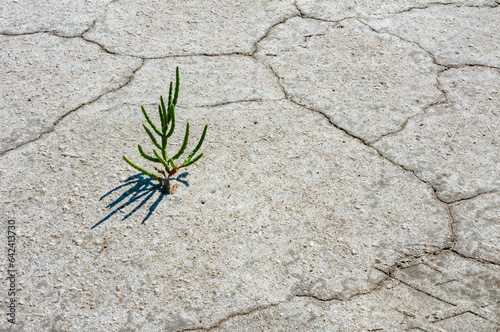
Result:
pixel 141 188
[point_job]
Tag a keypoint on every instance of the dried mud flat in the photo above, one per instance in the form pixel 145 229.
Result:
pixel 350 178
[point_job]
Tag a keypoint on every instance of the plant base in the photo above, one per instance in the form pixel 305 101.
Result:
pixel 166 187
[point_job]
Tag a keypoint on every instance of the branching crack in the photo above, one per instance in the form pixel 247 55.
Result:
pixel 218 324
pixel 403 263
pixel 390 271
pixel 427 6
pixel 264 36
pixel 443 101
pixel 53 126
pixel 433 57
pixel 419 289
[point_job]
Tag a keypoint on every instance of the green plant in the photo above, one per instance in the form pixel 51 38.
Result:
pixel 167 118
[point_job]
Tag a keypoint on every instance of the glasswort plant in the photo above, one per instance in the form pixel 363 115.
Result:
pixel 167 117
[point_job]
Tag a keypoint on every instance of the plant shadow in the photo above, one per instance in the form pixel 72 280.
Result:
pixel 141 189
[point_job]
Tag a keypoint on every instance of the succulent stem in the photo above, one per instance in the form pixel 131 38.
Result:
pixel 167 118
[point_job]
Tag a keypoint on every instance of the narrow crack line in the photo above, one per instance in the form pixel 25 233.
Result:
pixel 485 317
pixel 408 261
pixel 201 54
pixel 255 100
pixel 105 49
pixel 301 13
pixel 474 259
pixel 446 314
pixel 376 288
pixel 406 313
pixel 400 129
pixel 233 315
pixel 453 234
pixel 427 6
pixel 438 4
pixel 434 190
pixel 92 25
pixel 101 17
pixel 366 143
pixel 458 311
pixel 89 28
pixel 266 33
pixel 51 32
pixel 443 101
pixel 434 60
pixel 410 118
pixel 418 288
pixel 433 57
pixel 58 33
pixel 397 266
pixel 312 17
pixel 14 34
pixel 465 65
pixel 474 196
pixel 278 80
pixel 56 122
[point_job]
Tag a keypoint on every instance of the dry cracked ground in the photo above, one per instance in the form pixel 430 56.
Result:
pixel 350 180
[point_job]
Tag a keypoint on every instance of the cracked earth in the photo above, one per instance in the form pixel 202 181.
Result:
pixel 350 178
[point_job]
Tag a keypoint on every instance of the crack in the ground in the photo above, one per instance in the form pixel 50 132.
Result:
pixel 475 259
pixel 388 272
pixel 390 275
pixel 402 263
pixel 105 49
pixel 233 315
pixel 108 51
pixel 437 4
pixel 58 33
pixel 266 33
pixel 256 100
pixel 427 6
pixel 457 309
pixel 230 102
pixel 201 54
pixel 465 65
pixel 218 324
pixel 312 17
pixel 429 53
pixel 377 287
pixel 366 143
pixel 443 101
pixel 474 196
pixel 9 34
pixel 349 133
pixel 301 13
pixel 398 264
pixel 56 122
pixel 452 237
